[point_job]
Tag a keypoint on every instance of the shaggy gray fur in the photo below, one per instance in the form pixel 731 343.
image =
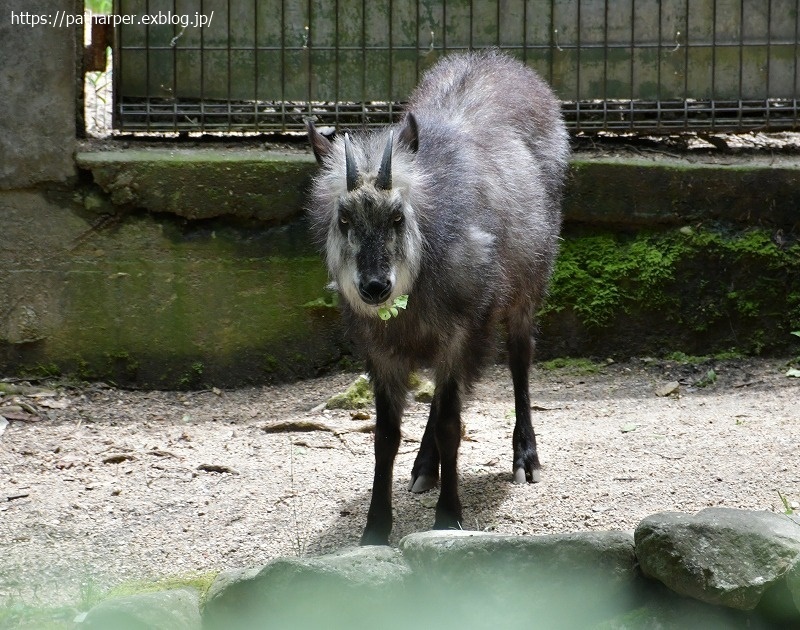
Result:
pixel 468 228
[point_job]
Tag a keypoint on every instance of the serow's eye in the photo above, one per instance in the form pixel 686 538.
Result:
pixel 397 219
pixel 343 220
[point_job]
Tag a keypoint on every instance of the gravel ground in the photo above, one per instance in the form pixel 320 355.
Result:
pixel 100 486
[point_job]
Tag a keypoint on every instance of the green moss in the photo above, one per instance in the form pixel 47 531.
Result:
pixel 357 396
pixel 424 391
pixel 330 302
pixel 735 287
pixel 598 275
pixel 41 370
pixel 572 365
pixel 682 357
pixel 200 582
pixel 192 377
pixel 17 615
pixel 201 183
pixel 270 364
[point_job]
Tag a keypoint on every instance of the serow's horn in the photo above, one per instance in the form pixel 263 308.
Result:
pixel 384 179
pixel 350 165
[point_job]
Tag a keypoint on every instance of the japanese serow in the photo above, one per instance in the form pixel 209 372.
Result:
pixel 457 207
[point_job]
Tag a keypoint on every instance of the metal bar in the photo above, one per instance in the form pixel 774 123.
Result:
pixel 444 26
pixel 283 65
pixel 633 57
pixel 390 96
pixel 660 61
pixel 553 46
pixel 363 60
pixel 796 51
pixel 255 65
pixel 769 53
pixel 713 59
pixel 578 67
pixel 605 59
pixel 525 32
pixel 229 67
pixel 202 73
pixel 497 22
pixel 308 48
pixel 416 56
pixel 147 63
pixel 117 120
pixel 175 69
pixel 686 55
pixel 471 23
pixel 336 63
pixel 741 54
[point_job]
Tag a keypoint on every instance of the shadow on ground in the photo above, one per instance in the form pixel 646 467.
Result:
pixel 481 495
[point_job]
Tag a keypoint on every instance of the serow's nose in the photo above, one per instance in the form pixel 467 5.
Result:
pixel 374 290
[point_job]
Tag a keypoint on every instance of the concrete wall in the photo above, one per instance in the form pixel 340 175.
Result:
pixel 174 268
pixel 37 96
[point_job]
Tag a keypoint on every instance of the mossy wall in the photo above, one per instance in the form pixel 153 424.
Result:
pixel 94 286
pixel 157 301
pixel 700 290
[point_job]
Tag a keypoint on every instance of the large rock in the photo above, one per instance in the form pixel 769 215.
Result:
pixel 734 558
pixel 489 580
pixel 176 609
pixel 354 588
pixel 681 612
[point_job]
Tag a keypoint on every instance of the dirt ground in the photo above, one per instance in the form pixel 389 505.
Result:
pixel 100 485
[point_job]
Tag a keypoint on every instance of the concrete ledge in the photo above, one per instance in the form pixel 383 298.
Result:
pixel 204 183
pixel 674 192
pixel 618 191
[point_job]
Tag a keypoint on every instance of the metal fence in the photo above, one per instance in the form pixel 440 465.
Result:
pixel 638 65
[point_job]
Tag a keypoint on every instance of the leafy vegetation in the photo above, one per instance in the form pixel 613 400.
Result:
pixel 387 312
pixel 574 366
pixel 709 378
pixel 787 507
pixel 735 287
pixel 99 6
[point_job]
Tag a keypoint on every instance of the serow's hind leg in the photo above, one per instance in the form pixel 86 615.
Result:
pixel 526 464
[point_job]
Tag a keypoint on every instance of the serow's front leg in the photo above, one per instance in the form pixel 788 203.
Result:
pixel 389 410
pixel 448 438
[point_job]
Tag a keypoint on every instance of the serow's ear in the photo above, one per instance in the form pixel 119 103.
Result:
pixel 409 134
pixel 319 143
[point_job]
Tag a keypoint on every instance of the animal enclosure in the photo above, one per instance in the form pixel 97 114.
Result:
pixel 627 65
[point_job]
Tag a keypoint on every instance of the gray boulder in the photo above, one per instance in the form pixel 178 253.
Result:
pixel 353 588
pixel 176 609
pixel 681 612
pixel 737 558
pixel 489 580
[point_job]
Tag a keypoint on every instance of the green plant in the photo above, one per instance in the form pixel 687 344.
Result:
pixel 573 366
pixel 709 378
pixel 323 302
pixel 387 312
pixel 606 279
pixel 99 6
pixel 787 508
pixel 302 528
